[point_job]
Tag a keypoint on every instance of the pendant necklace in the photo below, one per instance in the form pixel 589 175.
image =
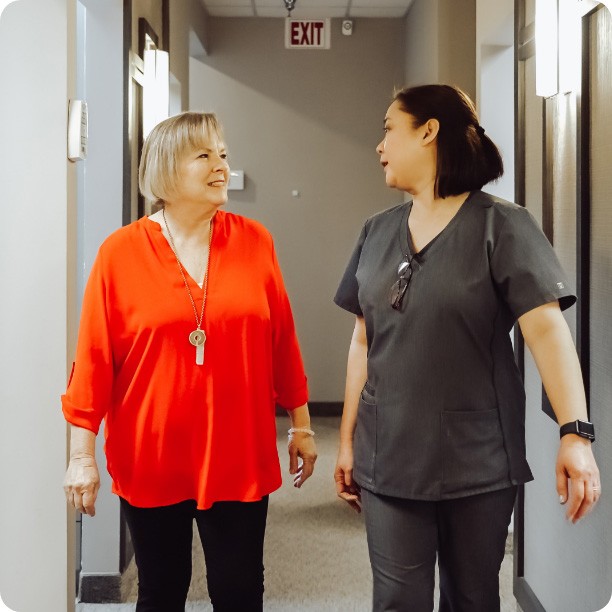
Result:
pixel 197 337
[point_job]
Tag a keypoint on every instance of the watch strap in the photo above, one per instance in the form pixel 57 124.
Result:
pixel 584 429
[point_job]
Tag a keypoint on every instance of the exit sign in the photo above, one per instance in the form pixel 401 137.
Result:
pixel 307 34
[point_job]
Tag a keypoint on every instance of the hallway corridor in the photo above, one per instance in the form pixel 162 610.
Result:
pixel 316 555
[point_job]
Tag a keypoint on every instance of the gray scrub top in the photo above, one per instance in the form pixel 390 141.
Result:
pixel 442 414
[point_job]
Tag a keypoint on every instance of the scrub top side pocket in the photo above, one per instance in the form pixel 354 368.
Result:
pixel 364 446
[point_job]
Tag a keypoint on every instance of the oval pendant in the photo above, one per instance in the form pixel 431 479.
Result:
pixel 197 337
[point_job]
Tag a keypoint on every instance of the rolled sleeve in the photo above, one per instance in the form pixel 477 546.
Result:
pixel 89 391
pixel 290 383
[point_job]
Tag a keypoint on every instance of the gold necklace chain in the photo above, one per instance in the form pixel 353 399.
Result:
pixel 180 265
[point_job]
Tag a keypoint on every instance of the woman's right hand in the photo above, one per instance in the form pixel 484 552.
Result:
pixel 346 488
pixel 82 482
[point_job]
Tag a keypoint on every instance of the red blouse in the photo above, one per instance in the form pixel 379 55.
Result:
pixel 176 430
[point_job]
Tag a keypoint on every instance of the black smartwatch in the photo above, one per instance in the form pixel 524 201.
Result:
pixel 584 429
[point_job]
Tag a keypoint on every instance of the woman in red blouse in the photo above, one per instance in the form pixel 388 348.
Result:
pixel 186 345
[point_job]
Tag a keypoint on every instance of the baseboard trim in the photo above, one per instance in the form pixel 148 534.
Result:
pixel 100 588
pixel 318 409
pixel 525 596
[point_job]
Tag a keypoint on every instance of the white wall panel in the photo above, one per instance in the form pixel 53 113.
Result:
pixel 36 190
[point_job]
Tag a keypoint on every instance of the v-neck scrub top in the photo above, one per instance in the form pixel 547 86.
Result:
pixel 176 430
pixel 442 414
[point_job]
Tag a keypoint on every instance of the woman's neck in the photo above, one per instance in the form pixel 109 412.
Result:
pixel 188 220
pixel 427 202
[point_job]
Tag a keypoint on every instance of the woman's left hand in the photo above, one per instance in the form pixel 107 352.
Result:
pixel 575 463
pixel 301 446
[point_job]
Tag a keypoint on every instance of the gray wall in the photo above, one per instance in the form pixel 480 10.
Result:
pixel 422 42
pixel 188 28
pixel 457 44
pixel 441 43
pixel 307 121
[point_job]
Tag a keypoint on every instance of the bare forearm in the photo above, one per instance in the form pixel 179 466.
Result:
pixel 356 376
pixel 552 347
pixel 82 442
pixel 300 417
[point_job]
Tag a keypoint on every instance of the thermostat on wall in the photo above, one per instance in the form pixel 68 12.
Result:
pixel 77 130
pixel 236 182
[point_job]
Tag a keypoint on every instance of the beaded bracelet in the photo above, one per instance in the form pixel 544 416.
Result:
pixel 301 430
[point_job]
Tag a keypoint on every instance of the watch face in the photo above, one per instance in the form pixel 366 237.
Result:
pixel 585 428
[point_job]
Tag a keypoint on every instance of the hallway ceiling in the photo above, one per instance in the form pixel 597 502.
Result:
pixel 308 9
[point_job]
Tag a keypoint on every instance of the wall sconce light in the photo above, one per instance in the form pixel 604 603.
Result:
pixel 558 39
pixel 570 43
pixel 156 89
pixel 547 45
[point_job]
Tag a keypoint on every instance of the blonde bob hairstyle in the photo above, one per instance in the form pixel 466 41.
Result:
pixel 164 147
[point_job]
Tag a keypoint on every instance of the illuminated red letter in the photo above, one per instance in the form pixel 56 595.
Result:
pixel 318 26
pixel 295 30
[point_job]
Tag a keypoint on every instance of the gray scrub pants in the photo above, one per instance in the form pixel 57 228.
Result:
pixel 468 535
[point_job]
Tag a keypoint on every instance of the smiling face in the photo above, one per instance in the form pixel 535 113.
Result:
pixel 184 161
pixel 408 153
pixel 203 175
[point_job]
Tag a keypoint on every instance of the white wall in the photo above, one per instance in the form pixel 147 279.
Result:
pixel 36 191
pixel 495 83
pixel 99 214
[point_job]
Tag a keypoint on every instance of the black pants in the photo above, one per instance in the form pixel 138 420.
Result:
pixel 232 535
pixel 467 534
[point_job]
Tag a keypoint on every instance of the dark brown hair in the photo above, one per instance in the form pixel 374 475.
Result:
pixel 467 157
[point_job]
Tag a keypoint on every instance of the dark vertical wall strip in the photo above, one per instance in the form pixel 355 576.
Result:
pixel 126 550
pixel 548 121
pixel 125 545
pixel 583 212
pixel 519 190
pixel 127 164
pixel 144 29
pixel 165 45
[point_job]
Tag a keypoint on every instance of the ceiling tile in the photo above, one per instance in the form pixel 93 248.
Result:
pixel 308 9
pixel 306 5
pixel 227 3
pixel 230 11
pixel 375 4
pixel 302 13
pixel 378 11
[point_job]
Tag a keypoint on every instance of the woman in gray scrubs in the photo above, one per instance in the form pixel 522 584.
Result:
pixel 433 430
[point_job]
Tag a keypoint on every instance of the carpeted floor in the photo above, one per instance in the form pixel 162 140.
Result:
pixel 316 555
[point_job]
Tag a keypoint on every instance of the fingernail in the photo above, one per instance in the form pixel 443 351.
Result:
pixel 561 499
